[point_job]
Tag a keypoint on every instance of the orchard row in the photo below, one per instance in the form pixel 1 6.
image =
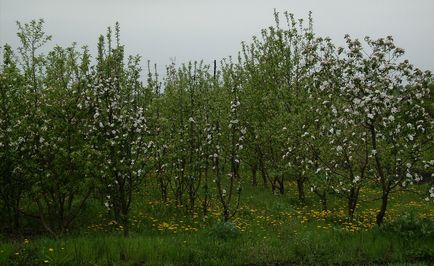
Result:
pixel 291 106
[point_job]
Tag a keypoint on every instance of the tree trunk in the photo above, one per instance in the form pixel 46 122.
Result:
pixel 254 169
pixel 352 201
pixel 282 185
pixel 382 212
pixel 264 174
pixel 192 197
pixel 323 199
pixel 125 224
pixel 226 215
pixel 205 200
pixel 324 203
pixel 262 168
pixel 16 214
pixel 278 184
pixel 163 186
pixel 300 188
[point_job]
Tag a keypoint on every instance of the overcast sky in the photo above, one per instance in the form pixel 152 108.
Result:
pixel 201 29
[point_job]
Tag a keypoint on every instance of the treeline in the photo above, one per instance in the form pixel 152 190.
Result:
pixel 291 107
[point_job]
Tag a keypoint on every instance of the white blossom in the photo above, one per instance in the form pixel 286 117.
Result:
pixel 356 179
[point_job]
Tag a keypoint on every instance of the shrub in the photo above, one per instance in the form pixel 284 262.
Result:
pixel 224 231
pixel 410 226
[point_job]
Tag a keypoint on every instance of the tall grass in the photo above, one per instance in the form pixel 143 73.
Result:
pixel 269 230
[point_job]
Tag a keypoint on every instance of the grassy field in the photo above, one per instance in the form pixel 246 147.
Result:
pixel 268 230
